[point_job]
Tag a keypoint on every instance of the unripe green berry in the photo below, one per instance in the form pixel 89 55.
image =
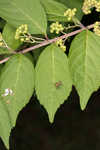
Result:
pixel 56 27
pixel 70 13
pixel 88 4
pixel 22 39
pixel 60 43
pixel 97 28
pixel 1 44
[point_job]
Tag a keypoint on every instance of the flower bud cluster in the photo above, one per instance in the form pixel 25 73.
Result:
pixel 60 43
pixel 97 28
pixel 1 41
pixel 57 27
pixel 23 29
pixel 23 35
pixel 70 13
pixel 97 6
pixel 88 4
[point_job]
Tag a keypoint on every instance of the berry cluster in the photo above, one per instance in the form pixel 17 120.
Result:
pixel 60 43
pixel 57 27
pixel 2 43
pixel 97 6
pixel 70 13
pixel 23 35
pixel 88 4
pixel 22 30
pixel 97 28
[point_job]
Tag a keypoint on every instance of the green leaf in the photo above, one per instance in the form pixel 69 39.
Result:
pixel 1 66
pixel 74 4
pixel 17 12
pixel 5 51
pixel 9 37
pixel 84 63
pixel 54 10
pixel 52 79
pixel 17 76
pixel 36 53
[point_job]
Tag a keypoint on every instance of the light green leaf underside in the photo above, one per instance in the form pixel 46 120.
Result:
pixel 54 10
pixel 9 37
pixel 17 75
pixel 17 12
pixel 52 67
pixel 84 63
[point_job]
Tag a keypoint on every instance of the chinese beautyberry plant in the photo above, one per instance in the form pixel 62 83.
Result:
pixel 45 49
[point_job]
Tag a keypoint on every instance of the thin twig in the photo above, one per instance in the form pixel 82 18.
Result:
pixel 4 60
pixel 82 26
pixel 55 39
pixel 47 42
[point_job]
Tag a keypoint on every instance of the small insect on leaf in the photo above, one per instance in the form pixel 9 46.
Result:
pixel 58 84
pixel 7 92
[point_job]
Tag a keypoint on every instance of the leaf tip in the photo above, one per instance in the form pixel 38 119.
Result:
pixel 83 105
pixel 6 143
pixel 51 119
pixel 51 116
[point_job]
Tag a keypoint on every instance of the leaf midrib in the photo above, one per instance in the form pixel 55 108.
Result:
pixel 85 60
pixel 53 66
pixel 17 78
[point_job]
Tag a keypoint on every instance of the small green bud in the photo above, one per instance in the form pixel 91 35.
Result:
pixel 22 39
pixel 57 27
pixel 97 28
pixel 70 13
